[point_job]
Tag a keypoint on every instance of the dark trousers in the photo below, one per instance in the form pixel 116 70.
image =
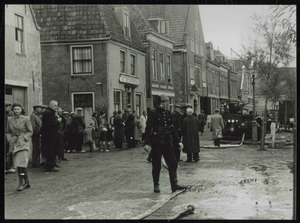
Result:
pixel 167 152
pixel 36 149
pixel 79 137
pixel 217 142
pixel 61 154
pixel 143 137
pixel 177 153
pixel 50 161
pixel 202 127
pixel 192 156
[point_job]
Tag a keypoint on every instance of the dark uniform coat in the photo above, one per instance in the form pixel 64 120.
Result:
pixel 176 119
pixel 50 133
pixel 190 133
pixel 159 128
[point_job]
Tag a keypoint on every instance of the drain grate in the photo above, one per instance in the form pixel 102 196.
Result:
pixel 247 181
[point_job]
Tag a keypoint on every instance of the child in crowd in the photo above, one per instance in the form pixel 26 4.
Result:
pixel 89 132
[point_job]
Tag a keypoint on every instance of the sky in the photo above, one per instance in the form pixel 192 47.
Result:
pixel 228 26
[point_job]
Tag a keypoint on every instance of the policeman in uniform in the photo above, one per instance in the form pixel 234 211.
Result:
pixel 176 119
pixel 162 136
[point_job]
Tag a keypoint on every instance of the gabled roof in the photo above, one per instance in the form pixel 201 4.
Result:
pixel 142 24
pixel 177 15
pixel 81 22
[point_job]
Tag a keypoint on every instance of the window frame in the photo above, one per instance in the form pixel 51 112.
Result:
pixel 124 63
pixel 120 98
pixel 17 28
pixel 126 24
pixel 162 67
pixel 72 60
pixel 134 65
pixel 169 68
pixel 154 65
pixel 74 93
pixel 191 66
pixel 192 45
pixel 138 111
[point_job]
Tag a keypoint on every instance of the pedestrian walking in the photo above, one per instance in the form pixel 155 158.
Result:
pixel 202 119
pixel 162 137
pixel 119 131
pixel 143 120
pixel 50 136
pixel 36 123
pixel 217 126
pixel 18 135
pixel 190 131
pixel 42 157
pixel 176 119
pixel 129 130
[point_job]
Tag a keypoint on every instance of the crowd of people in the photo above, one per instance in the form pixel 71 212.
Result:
pixel 55 132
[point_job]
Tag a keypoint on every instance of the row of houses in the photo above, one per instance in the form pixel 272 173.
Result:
pixel 113 57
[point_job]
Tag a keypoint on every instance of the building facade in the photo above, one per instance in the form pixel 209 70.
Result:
pixel 23 79
pixel 92 58
pixel 189 57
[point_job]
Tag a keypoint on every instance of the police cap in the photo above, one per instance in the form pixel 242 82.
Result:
pixel 162 98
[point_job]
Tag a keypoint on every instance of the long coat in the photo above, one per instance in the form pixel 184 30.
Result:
pixel 217 125
pixel 119 130
pixel 19 131
pixel 176 119
pixel 50 133
pixel 36 122
pixel 137 129
pixel 143 120
pixel 190 133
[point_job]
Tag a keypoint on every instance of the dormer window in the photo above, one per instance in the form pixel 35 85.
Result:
pixel 126 26
pixel 161 25
pixel 124 19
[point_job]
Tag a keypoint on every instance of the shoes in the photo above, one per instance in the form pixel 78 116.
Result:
pixel 36 165
pixel 179 160
pixel 82 151
pixel 20 188
pixel 10 171
pixel 106 150
pixel 26 185
pixel 178 187
pixel 101 150
pixel 55 169
pixel 57 165
pixel 156 189
pixel 197 160
pixel 68 151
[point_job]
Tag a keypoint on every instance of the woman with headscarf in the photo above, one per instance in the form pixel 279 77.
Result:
pixel 19 131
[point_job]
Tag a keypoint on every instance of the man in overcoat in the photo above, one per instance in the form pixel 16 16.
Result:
pixel 217 126
pixel 162 136
pixel 176 119
pixel 36 123
pixel 190 139
pixel 202 119
pixel 119 130
pixel 50 136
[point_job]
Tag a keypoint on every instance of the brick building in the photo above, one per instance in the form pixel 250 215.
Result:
pixel 159 55
pixel 23 80
pixel 92 57
pixel 184 27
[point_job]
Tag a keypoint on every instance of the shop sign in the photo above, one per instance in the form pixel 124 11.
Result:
pixel 129 80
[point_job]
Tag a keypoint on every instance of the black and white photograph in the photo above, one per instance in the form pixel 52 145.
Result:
pixel 150 111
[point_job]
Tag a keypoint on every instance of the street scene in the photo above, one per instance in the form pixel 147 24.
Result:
pixel 150 112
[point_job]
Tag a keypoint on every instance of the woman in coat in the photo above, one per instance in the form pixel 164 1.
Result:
pixel 103 130
pixel 137 129
pixel 18 134
pixel 190 132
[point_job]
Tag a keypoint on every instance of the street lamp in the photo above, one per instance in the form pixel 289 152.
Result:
pixel 254 124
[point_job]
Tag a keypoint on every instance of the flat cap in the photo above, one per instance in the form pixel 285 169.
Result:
pixel 65 112
pixel 37 106
pixel 128 110
pixel 178 106
pixel 188 105
pixel 79 109
pixel 217 110
pixel 44 106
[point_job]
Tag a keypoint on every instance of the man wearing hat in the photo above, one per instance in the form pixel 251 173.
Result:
pixel 129 129
pixel 176 119
pixel 36 123
pixel 202 119
pixel 217 126
pixel 162 136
